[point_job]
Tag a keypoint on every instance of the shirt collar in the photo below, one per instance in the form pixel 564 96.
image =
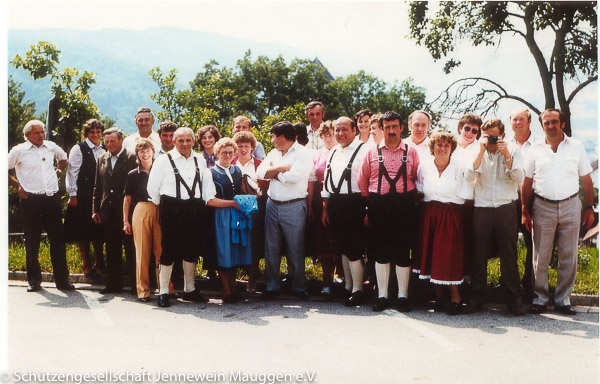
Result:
pixel 91 145
pixel 175 154
pixel 310 131
pixel 118 154
pixel 29 144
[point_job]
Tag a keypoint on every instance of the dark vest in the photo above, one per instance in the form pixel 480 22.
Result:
pixel 87 172
pixel 225 189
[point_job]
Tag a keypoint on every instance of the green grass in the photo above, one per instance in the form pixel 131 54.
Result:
pixel 586 282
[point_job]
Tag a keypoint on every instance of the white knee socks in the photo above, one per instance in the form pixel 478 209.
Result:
pixel 356 270
pixel 189 271
pixel 164 276
pixel 382 271
pixel 403 275
pixel 347 273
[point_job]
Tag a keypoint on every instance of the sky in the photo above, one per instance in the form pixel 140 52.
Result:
pixel 345 36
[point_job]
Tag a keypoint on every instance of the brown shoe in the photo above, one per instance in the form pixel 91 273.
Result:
pixel 537 309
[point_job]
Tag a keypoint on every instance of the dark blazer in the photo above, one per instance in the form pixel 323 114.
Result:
pixel 109 186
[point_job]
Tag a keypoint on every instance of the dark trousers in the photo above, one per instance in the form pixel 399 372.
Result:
pixel 181 226
pixel 527 280
pixel 495 231
pixel 392 228
pixel 346 217
pixel 115 241
pixel 41 211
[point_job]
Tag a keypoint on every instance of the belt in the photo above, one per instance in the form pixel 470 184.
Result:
pixel 554 201
pixel 288 201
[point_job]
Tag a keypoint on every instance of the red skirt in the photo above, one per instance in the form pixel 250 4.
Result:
pixel 442 243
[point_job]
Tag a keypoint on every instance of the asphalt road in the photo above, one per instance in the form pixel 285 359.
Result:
pixel 52 332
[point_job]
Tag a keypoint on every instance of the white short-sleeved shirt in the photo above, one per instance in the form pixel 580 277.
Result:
pixel 466 156
pixel 130 141
pixel 450 187
pixel 161 180
pixel 292 184
pixel 556 175
pixel 35 166
pixel 422 148
pixel 338 164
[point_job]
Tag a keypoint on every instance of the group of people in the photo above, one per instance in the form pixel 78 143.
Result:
pixel 351 193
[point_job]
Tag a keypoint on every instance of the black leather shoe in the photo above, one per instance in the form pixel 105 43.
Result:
pixel 455 309
pixel 302 295
pixel 404 304
pixel 380 304
pixel 438 306
pixel 194 296
pixel 517 309
pixel 536 309
pixel 269 295
pixel 163 301
pixel 355 299
pixel 34 288
pixel 109 289
pixel 565 310
pixel 65 287
pixel 144 299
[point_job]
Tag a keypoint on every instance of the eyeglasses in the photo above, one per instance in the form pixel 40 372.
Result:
pixel 469 129
pixel 226 153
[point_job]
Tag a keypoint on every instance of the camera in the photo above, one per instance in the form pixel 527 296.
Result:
pixel 493 139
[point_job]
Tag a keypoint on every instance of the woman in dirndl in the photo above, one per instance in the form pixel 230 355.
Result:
pixel 442 181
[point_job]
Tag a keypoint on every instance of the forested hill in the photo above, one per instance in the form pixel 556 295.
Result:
pixel 121 61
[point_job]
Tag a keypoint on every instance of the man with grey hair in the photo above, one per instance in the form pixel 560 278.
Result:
pixel 520 121
pixel 242 123
pixel 37 186
pixel 315 112
pixel 144 120
pixel 177 183
pixel 419 123
pixel 111 173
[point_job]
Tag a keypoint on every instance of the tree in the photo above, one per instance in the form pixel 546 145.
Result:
pixel 69 86
pixel 20 111
pixel 571 63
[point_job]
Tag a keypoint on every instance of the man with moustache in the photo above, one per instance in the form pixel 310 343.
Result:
pixel 344 207
pixel 111 173
pixel 554 167
pixel 315 112
pixel 144 120
pixel 242 123
pixel 387 177
pixel 520 121
pixel 37 187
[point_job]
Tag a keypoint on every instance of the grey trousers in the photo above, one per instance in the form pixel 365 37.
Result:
pixel 287 220
pixel 563 221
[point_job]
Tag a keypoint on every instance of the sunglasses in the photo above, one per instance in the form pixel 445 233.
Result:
pixel 472 130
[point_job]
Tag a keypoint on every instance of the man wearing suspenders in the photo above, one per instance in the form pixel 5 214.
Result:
pixel 178 182
pixel 387 177
pixel 344 207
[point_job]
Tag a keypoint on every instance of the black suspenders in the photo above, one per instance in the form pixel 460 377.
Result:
pixel 179 180
pixel 402 171
pixel 346 175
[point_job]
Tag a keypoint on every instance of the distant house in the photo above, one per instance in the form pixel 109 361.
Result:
pixel 590 239
pixel 318 63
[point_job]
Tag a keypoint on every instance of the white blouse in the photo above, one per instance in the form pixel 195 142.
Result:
pixel 450 187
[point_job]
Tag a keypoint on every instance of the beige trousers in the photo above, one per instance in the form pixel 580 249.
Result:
pixel 147 239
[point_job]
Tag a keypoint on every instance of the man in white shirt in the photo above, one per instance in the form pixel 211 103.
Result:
pixel 37 186
pixel 419 123
pixel 496 171
pixel 166 129
pixel 288 168
pixel 554 167
pixel 520 120
pixel 144 120
pixel 180 183
pixel 315 112
pixel 343 206
pixel 242 123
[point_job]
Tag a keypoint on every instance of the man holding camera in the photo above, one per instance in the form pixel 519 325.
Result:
pixel 497 171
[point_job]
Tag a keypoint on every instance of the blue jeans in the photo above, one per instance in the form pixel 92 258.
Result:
pixel 287 220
